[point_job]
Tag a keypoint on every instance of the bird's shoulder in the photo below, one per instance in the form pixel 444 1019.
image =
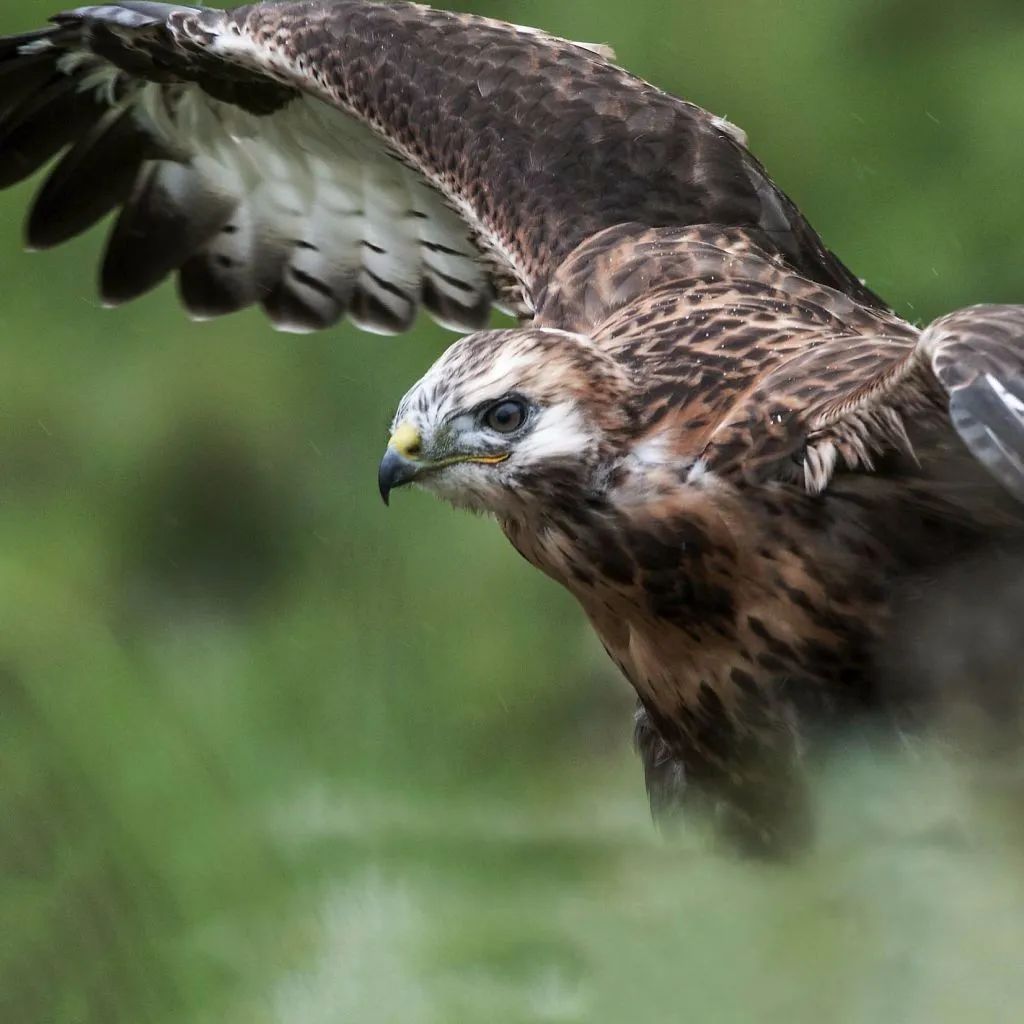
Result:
pixel 729 349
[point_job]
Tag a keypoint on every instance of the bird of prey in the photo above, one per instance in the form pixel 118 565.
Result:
pixel 741 463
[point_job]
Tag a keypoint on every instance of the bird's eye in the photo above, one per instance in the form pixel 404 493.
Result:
pixel 505 416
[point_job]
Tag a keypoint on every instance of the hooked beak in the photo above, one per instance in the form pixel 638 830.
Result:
pixel 398 466
pixel 395 470
pixel 402 463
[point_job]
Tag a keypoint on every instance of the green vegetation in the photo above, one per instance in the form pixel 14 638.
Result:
pixel 272 753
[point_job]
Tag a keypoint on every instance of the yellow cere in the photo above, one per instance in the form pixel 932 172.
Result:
pixel 406 440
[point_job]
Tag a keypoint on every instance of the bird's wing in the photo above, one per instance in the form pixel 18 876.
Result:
pixel 847 400
pixel 747 369
pixel 358 158
pixel 972 363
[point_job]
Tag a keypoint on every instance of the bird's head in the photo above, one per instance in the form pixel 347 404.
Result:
pixel 506 417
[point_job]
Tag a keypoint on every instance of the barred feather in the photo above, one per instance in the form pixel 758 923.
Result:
pixel 375 158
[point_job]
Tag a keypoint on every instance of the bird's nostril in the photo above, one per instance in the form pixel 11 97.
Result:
pixel 406 440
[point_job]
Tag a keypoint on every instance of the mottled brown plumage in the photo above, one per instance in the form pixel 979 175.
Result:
pixel 744 466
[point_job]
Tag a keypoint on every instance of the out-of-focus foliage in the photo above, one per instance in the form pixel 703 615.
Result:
pixel 271 753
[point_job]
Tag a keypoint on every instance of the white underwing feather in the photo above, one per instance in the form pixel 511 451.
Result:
pixel 327 222
pixel 266 58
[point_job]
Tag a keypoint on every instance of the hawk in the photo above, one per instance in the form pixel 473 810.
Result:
pixel 740 462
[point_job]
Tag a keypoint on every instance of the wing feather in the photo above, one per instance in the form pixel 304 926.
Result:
pixel 966 369
pixel 746 369
pixel 39 121
pixel 850 399
pixel 95 176
pixel 360 158
pixel 169 216
pixel 302 211
pixel 977 355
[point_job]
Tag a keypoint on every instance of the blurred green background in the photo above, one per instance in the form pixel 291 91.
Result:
pixel 271 753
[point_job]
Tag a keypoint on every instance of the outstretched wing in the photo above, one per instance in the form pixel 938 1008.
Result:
pixel 969 364
pixel 359 158
pixel 251 191
pixel 746 368
pixel 847 400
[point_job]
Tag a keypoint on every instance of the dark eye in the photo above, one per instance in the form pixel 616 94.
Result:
pixel 505 416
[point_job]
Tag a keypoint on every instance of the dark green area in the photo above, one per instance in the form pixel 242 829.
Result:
pixel 271 753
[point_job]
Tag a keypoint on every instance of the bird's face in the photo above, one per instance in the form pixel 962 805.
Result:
pixel 502 416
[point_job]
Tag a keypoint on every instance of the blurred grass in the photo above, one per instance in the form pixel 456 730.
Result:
pixel 269 753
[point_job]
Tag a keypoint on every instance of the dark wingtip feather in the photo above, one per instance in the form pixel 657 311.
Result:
pixel 372 314
pixel 300 310
pixel 988 413
pixel 455 315
pixel 233 272
pixel 208 291
pixel 42 124
pixel 96 175
pixel 156 232
pixel 23 75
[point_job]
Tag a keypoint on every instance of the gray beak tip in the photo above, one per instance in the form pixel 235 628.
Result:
pixel 395 470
